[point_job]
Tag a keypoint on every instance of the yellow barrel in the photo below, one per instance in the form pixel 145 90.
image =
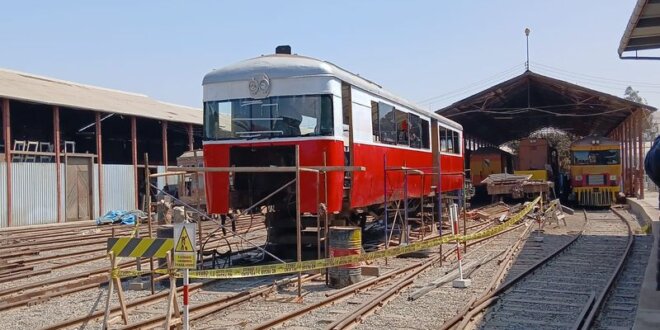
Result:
pixel 344 241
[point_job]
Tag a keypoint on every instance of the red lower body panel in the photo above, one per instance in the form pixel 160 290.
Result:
pixel 311 154
pixel 367 187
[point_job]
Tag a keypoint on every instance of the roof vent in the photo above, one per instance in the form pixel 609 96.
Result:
pixel 283 49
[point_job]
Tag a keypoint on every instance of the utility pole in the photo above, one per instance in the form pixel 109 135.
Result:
pixel 527 37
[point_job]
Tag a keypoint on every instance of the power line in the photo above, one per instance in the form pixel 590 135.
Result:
pixel 605 80
pixel 477 84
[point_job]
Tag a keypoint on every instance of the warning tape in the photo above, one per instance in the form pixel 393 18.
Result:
pixel 302 266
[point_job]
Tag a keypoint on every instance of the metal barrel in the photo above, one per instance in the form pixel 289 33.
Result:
pixel 344 241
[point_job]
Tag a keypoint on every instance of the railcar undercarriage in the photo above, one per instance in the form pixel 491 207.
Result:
pixel 274 195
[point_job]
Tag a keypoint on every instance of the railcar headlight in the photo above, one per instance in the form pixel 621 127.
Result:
pixel 612 177
pixel 578 178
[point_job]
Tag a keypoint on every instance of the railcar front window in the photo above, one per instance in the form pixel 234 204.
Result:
pixel 596 157
pixel 278 116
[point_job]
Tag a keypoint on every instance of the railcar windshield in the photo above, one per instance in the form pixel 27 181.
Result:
pixel 277 116
pixel 596 157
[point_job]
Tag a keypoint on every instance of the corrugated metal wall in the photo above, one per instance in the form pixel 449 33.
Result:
pixel 3 194
pixel 95 191
pixel 34 197
pixel 171 180
pixel 63 191
pixel 34 194
pixel 118 188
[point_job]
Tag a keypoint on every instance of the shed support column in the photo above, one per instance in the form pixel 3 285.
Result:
pixel 619 134
pixel 56 147
pixel 191 140
pixel 633 153
pixel 629 166
pixel 626 183
pixel 99 160
pixel 6 130
pixel 135 160
pixel 164 143
pixel 626 161
pixel 640 152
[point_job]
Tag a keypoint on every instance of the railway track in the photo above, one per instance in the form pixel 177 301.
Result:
pixel 564 290
pixel 38 255
pixel 26 291
pixel 342 306
pixel 40 292
pixel 620 307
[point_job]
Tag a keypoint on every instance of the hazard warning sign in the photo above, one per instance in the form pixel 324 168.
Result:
pixel 185 256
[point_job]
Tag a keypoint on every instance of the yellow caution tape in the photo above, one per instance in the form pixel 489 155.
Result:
pixel 294 267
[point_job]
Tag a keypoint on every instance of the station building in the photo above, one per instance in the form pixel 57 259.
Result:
pixel 72 152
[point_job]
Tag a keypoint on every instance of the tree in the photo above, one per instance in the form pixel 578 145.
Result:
pixel 650 129
pixel 633 95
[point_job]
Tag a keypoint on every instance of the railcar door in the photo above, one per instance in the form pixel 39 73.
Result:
pixel 347 118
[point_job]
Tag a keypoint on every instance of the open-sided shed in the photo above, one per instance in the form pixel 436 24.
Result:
pixel 526 103
pixel 70 151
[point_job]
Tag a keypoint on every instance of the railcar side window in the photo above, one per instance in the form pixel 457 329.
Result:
pixel 402 127
pixel 450 141
pixel 387 123
pixel 415 131
pixel 426 142
pixel 375 127
pixel 393 126
pixel 456 142
pixel 443 139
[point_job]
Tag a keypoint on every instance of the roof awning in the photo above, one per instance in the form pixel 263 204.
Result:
pixel 642 31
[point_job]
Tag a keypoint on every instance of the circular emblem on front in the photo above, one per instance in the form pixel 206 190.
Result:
pixel 259 86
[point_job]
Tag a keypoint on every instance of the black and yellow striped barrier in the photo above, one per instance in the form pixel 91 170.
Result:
pixel 294 267
pixel 140 247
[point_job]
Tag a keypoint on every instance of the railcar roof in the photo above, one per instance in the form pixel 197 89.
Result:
pixel 287 66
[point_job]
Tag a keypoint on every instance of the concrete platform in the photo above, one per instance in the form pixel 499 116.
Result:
pixel 648 311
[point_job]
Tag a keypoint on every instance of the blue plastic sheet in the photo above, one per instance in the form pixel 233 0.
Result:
pixel 118 216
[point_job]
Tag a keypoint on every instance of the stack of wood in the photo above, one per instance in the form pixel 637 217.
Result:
pixel 489 212
pixel 506 184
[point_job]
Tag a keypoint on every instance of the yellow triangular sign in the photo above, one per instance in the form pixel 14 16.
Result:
pixel 184 244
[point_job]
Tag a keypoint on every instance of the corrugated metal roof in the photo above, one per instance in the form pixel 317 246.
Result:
pixel 288 66
pixel 521 105
pixel 643 29
pixel 36 89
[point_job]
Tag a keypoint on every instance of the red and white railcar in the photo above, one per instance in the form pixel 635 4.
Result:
pixel 258 110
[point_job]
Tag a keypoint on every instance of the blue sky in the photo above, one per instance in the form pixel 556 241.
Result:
pixel 430 52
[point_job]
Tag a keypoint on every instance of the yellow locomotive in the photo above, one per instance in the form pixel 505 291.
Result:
pixel 595 171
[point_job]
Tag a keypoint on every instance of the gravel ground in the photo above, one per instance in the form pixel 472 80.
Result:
pixel 81 303
pixel 433 309
pixel 62 308
pixel 553 296
pixel 620 307
pixel 429 311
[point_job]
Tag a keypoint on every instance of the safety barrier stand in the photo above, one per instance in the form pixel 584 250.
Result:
pixel 113 281
pixel 460 282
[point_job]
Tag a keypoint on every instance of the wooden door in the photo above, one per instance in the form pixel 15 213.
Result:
pixel 78 189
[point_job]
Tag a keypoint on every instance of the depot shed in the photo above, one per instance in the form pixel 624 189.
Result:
pixel 72 152
pixel 530 101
